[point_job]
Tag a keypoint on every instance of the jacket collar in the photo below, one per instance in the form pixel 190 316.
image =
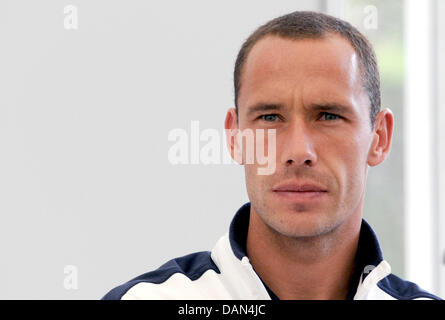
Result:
pixel 368 257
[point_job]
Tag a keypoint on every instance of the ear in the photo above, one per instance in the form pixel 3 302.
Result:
pixel 382 137
pixel 231 128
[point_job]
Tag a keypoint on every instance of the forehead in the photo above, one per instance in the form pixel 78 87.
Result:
pixel 285 68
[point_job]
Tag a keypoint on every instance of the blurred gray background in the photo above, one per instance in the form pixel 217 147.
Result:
pixel 85 182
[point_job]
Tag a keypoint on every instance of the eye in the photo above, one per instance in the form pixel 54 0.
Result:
pixel 329 116
pixel 269 117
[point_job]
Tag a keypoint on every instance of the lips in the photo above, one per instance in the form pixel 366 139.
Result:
pixel 303 193
pixel 299 187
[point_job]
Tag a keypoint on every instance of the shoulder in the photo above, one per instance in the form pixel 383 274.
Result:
pixel 174 274
pixel 401 289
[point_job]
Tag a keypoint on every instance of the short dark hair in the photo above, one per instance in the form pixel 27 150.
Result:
pixel 308 24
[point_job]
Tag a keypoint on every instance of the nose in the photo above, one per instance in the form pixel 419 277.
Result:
pixel 298 147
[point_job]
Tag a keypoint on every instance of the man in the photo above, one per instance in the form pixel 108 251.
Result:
pixel 313 79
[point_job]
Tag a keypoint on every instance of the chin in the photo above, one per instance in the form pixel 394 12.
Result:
pixel 310 223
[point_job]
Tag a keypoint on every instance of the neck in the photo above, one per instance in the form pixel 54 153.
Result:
pixel 318 267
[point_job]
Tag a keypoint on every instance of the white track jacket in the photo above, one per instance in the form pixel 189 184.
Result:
pixel 226 273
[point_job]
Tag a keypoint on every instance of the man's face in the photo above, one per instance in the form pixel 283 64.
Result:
pixel 316 103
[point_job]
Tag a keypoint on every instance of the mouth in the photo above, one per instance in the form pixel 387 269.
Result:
pixel 298 192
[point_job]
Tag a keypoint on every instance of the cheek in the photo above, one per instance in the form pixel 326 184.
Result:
pixel 348 163
pixel 252 179
pixel 256 184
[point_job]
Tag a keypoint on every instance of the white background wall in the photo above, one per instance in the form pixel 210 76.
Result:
pixel 84 120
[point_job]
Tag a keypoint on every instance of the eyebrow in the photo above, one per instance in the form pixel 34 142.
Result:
pixel 330 107
pixel 261 106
